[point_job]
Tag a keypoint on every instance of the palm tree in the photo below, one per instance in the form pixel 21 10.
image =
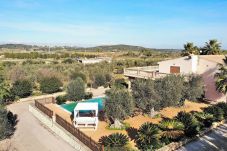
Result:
pixel 191 124
pixel 225 60
pixel 205 118
pixel 221 78
pixel 189 49
pixel 147 137
pixel 114 140
pixel 213 47
pixel 172 129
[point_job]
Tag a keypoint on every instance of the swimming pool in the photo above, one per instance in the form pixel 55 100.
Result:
pixel 70 106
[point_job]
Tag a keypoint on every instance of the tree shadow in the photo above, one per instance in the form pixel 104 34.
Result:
pixel 132 132
pixel 12 121
pixel 72 116
pixel 102 116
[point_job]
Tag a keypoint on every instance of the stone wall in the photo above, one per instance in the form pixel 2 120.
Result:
pixel 57 129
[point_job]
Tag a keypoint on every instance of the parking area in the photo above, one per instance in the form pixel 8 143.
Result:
pixel 31 135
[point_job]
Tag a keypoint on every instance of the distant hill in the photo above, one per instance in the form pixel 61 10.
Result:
pixel 15 46
pixel 116 48
pixel 120 47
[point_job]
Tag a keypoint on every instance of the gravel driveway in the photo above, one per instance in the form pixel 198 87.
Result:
pixel 214 141
pixel 31 135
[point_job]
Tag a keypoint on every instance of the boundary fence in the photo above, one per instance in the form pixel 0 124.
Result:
pixel 88 141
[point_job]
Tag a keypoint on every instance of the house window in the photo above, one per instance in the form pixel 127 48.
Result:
pixel 174 69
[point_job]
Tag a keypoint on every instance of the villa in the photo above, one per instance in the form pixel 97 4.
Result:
pixel 204 65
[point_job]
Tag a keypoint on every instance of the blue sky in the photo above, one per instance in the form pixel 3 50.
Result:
pixel 149 23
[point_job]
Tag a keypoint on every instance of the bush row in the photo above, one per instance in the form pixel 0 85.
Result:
pixel 153 136
pixel 24 87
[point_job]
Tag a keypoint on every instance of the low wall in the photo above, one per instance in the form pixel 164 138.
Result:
pixel 57 129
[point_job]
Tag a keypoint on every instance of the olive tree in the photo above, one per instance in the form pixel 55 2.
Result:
pixel 171 90
pixel 194 88
pixel 50 85
pixel 119 103
pixel 22 88
pixel 76 89
pixel 145 95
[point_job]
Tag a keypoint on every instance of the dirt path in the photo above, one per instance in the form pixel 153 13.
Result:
pixel 31 135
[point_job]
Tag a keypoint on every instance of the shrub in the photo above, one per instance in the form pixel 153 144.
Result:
pixel 121 83
pixel 172 129
pixel 99 80
pixel 223 106
pixel 76 74
pixel 76 90
pixel 17 73
pixel 108 77
pixel 124 126
pixel 68 61
pixel 5 95
pixel 50 85
pixel 147 137
pixel 61 99
pixel 216 112
pixel 205 119
pixel 22 88
pixel 194 88
pixel 191 124
pixel 7 123
pixel 119 103
pixel 114 140
pixel 88 95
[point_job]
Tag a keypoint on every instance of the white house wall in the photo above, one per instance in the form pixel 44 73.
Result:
pixel 197 65
pixel 184 63
pixel 207 70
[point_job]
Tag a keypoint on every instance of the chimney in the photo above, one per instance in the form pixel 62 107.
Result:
pixel 194 60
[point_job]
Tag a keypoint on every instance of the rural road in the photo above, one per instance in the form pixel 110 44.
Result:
pixel 31 135
pixel 213 141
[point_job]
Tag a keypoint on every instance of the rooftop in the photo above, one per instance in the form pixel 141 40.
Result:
pixel 86 106
pixel 213 58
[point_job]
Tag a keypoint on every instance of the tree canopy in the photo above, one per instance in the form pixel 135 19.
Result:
pixel 189 49
pixel 22 88
pixel 50 85
pixel 171 90
pixel 145 95
pixel 4 91
pixel 76 90
pixel 194 88
pixel 213 47
pixel 221 79
pixel 119 103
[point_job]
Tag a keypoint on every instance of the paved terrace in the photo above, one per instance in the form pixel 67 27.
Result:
pixel 147 72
